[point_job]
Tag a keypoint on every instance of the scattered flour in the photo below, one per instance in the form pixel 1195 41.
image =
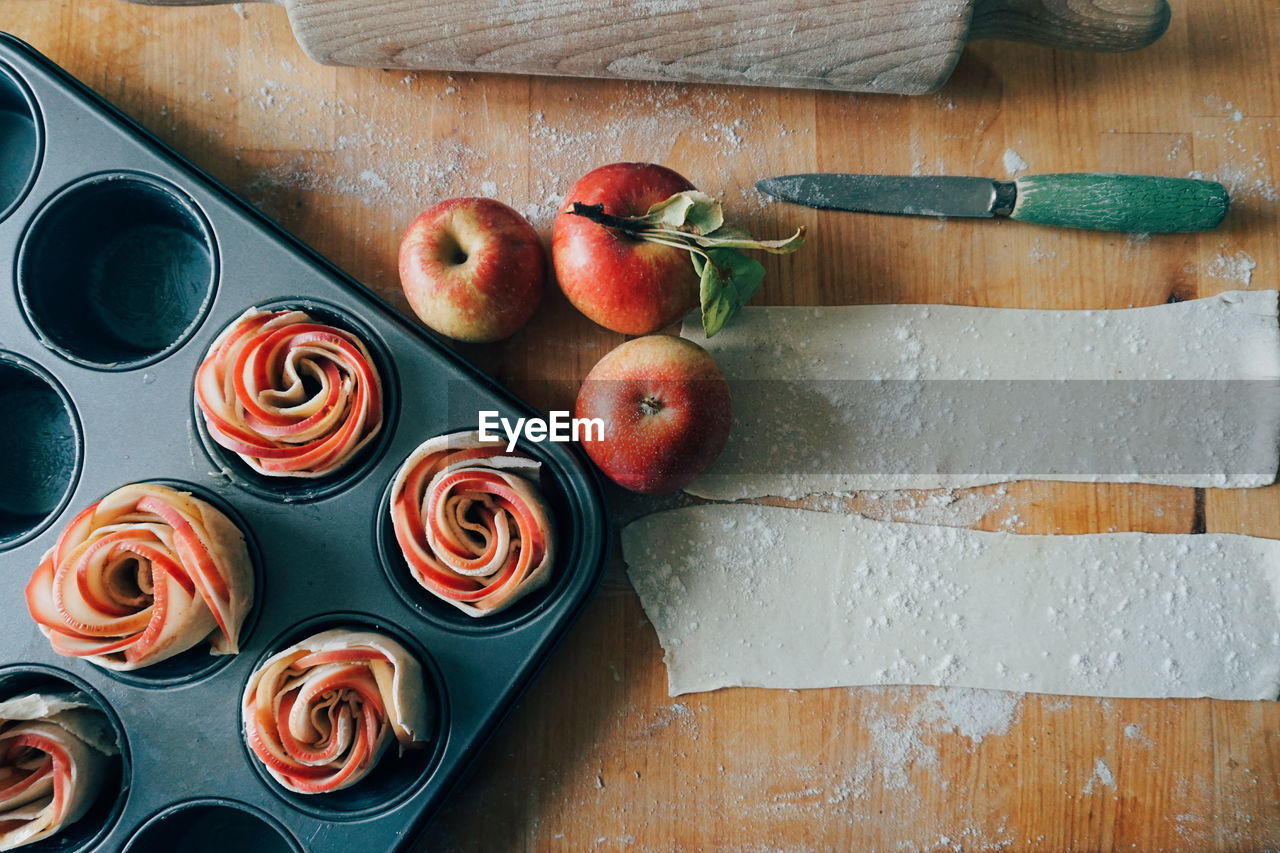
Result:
pixel 1134 732
pixel 901 743
pixel 1039 253
pixel 648 121
pixel 665 716
pixel 897 747
pixel 1237 267
pixel 1243 170
pixel 954 508
pixel 374 180
pixel 1101 775
pixel 881 771
pixel 974 713
pixel 947 508
pixel 1013 162
pixel 1220 105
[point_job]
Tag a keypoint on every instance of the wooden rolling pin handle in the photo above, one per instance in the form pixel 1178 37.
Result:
pixel 197 2
pixel 1103 25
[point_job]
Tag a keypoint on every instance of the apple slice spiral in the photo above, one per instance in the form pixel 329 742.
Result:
pixel 320 714
pixel 471 523
pixel 54 759
pixel 140 576
pixel 290 396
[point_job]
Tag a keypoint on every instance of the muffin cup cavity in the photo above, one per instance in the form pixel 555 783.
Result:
pixel 117 271
pixel 432 608
pixel 43 449
pixel 213 825
pixel 87 833
pixel 396 777
pixel 295 489
pixel 20 142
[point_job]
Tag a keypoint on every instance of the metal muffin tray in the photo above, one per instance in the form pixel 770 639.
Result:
pixel 125 262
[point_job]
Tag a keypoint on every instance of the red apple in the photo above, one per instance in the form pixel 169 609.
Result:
pixel 473 269
pixel 624 284
pixel 666 412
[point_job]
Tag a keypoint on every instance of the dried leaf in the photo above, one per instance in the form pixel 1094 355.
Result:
pixel 739 239
pixel 691 212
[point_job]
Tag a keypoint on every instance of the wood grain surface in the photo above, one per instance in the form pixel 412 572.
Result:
pixel 597 756
pixel 900 46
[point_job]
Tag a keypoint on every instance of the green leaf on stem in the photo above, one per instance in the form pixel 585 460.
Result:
pixel 694 222
pixel 728 281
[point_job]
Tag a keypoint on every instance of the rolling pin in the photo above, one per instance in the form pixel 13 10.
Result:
pixel 893 46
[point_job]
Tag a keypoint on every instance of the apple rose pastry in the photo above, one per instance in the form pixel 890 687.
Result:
pixel 289 396
pixel 471 523
pixel 54 759
pixel 142 575
pixel 319 714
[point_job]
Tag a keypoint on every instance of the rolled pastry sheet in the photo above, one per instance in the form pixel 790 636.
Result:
pixel 941 396
pixel 290 396
pixel 140 576
pixel 758 596
pixel 320 714
pixel 472 523
pixel 54 757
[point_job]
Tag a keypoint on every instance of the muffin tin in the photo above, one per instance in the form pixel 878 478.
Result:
pixel 125 263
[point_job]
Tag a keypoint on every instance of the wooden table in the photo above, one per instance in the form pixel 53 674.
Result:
pixel 597 756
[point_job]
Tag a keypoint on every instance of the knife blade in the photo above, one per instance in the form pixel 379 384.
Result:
pixel 1094 201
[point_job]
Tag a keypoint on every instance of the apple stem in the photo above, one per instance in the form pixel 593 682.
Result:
pixel 595 212
pixel 650 405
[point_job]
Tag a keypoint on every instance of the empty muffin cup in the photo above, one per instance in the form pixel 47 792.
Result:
pixel 42 442
pixel 213 826
pixel 19 142
pixel 117 271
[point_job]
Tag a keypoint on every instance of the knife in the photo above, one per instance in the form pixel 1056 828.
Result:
pixel 1099 202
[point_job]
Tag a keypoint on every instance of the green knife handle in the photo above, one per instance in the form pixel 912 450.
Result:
pixel 1137 203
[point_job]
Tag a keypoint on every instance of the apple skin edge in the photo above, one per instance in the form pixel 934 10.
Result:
pixel 624 284
pixel 473 269
pixel 666 409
